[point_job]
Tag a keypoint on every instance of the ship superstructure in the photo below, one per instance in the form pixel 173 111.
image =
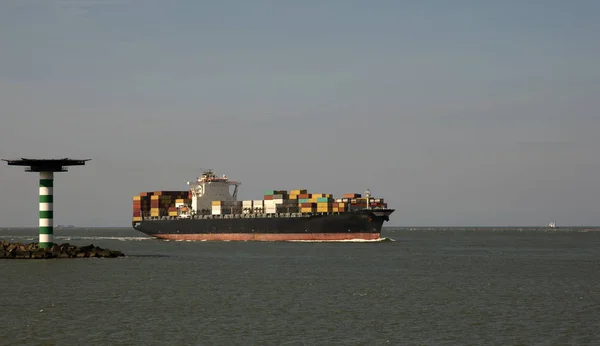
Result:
pixel 209 187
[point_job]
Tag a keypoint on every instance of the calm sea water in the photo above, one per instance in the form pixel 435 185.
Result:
pixel 427 287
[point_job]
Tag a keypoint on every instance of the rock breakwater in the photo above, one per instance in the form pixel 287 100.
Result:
pixel 10 250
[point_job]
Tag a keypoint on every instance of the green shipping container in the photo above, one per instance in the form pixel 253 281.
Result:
pixel 323 199
pixel 303 200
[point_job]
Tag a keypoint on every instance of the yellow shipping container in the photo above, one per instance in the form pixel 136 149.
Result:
pixel 137 198
pixel 173 213
pixel 137 218
pixel 217 203
pixel 154 198
pixel 298 192
pixel 322 195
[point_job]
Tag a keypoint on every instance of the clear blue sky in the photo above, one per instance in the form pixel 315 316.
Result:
pixel 457 112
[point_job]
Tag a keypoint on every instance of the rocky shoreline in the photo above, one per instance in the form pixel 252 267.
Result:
pixel 10 250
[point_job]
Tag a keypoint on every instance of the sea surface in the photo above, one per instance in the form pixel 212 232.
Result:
pixel 427 286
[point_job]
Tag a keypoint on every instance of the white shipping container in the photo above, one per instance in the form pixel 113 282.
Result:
pixel 276 201
pixel 257 202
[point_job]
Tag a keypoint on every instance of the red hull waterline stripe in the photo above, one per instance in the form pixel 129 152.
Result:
pixel 270 237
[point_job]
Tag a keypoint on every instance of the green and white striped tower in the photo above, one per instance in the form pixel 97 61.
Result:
pixel 46 209
pixel 46 168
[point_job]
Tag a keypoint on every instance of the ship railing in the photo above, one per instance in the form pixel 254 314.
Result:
pixel 236 216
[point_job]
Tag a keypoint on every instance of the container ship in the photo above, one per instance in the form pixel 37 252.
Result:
pixel 209 210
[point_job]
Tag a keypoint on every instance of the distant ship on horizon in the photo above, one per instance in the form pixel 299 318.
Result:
pixel 552 224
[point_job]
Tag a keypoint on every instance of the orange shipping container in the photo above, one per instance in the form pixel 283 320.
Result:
pixel 352 195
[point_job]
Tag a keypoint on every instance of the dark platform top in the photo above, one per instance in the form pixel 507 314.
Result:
pixel 46 165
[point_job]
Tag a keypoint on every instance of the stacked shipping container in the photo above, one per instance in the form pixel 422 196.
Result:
pixel 159 203
pixel 278 201
pixel 169 203
pixel 226 207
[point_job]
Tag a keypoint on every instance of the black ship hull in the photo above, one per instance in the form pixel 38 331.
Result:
pixel 364 224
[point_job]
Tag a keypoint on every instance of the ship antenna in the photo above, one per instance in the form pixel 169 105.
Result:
pixel 368 195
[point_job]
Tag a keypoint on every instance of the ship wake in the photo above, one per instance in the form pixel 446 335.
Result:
pixel 104 238
pixel 15 237
pixel 378 240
